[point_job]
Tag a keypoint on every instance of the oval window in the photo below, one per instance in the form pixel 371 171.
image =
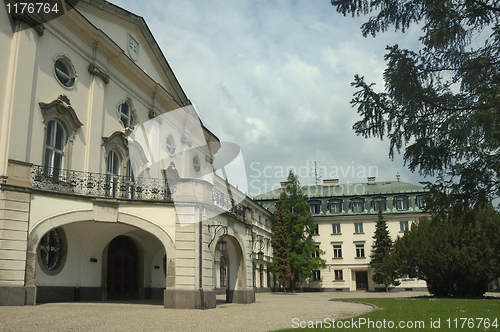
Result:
pixel 64 72
pixel 51 251
pixel 196 164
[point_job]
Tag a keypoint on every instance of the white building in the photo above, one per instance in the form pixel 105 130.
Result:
pixel 75 224
pixel 345 215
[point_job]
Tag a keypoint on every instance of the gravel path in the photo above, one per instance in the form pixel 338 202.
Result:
pixel 270 312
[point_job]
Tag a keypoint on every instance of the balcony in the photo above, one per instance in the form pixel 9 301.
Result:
pixel 226 203
pixel 97 185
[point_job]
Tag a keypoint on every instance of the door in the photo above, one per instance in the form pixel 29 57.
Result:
pixel 362 280
pixel 123 269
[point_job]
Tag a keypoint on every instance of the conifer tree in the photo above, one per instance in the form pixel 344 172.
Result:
pixel 441 104
pixel 280 242
pixel 385 269
pixel 304 255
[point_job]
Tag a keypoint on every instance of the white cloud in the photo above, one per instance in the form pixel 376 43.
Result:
pixel 274 76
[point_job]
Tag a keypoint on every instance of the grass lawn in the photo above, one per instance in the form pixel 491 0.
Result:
pixel 419 314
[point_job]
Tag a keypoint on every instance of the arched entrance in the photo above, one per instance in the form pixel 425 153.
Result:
pixel 122 269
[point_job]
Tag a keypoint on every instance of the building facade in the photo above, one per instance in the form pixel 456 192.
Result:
pixel 82 218
pixel 344 216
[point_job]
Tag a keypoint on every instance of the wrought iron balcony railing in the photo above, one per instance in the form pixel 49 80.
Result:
pixel 225 202
pixel 99 185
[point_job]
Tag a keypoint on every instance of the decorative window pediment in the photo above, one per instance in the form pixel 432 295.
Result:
pixel 61 110
pixel 118 142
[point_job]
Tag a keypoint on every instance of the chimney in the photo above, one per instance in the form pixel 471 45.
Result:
pixel 371 180
pixel 331 183
pixel 283 184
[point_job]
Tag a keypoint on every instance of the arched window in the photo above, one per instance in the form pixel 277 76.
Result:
pixel 55 142
pixel 223 272
pixel 113 171
pixel 254 275
pixel 114 163
pixel 357 205
pixel 378 202
pixel 126 116
pixel 401 203
pixel 334 206
pixel 61 125
pixel 261 275
pixel 314 207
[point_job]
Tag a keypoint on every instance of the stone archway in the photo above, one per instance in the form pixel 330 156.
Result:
pixel 236 286
pixel 84 277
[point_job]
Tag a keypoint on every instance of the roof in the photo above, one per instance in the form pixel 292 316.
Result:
pixel 351 189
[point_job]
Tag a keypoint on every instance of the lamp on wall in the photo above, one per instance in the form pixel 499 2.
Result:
pixel 221 244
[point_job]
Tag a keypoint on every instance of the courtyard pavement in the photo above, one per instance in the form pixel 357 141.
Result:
pixel 270 312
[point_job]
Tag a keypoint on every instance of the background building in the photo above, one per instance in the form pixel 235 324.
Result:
pixel 75 223
pixel 345 217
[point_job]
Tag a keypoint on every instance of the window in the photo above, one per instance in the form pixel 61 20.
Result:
pixel 358 227
pixel 316 275
pixel 422 201
pixel 260 219
pixel 223 272
pixel 261 275
pixel 170 145
pixel 51 251
pixel 196 164
pixel 315 207
pixel 336 229
pixel 130 173
pixel 114 163
pixel 378 203
pixel 357 206
pixel 403 226
pixel 254 275
pixel 339 275
pixel 360 250
pixel 334 206
pixel 126 116
pixel 113 170
pixel 337 251
pixel 315 229
pixel 315 253
pixel 65 73
pixel 61 125
pixel 54 148
pixel 401 203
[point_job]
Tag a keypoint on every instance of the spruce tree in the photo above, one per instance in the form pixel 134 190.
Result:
pixel 441 104
pixel 280 242
pixel 385 270
pixel 304 255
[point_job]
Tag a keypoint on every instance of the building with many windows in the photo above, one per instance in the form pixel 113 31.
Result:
pixel 344 216
pixel 77 223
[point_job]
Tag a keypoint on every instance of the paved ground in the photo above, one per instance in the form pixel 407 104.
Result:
pixel 270 312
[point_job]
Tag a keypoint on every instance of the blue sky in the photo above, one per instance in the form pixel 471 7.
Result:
pixel 274 77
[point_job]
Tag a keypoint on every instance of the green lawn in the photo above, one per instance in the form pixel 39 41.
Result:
pixel 418 314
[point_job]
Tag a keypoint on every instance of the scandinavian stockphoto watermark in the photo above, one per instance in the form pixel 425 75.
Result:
pixel 367 323
pixel 262 178
pixel 175 146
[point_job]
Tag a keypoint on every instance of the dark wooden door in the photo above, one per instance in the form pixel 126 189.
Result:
pixel 123 269
pixel 362 280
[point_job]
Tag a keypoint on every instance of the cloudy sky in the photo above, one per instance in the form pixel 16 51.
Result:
pixel 274 77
